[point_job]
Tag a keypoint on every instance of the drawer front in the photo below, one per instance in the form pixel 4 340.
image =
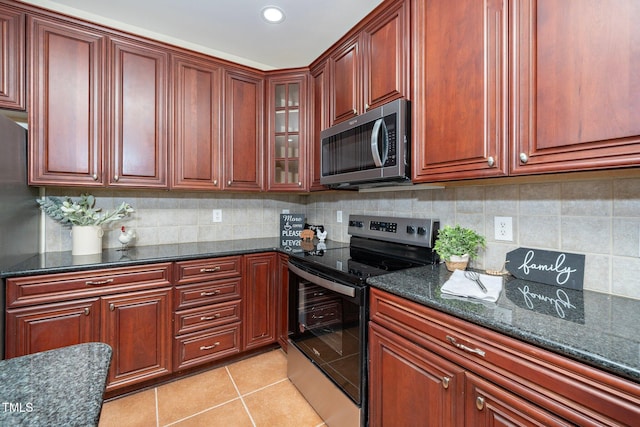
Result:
pixel 206 293
pixel 207 346
pixel 208 269
pixel 197 319
pixel 24 291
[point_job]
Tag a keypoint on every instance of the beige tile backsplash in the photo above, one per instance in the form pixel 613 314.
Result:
pixel 599 218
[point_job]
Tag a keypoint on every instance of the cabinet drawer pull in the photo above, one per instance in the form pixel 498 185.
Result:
pixel 210 269
pixel 215 316
pixel 209 347
pixel 87 311
pixel 480 403
pixel 445 382
pixel 99 282
pixel 456 344
pixel 209 294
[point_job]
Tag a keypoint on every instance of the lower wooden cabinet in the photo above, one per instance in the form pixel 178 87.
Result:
pixel 428 368
pixel 160 319
pixel 411 386
pixel 208 310
pixel 57 310
pixel 49 326
pixel 260 300
pixel 137 326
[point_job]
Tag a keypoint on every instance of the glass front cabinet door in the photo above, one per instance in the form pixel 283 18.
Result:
pixel 287 125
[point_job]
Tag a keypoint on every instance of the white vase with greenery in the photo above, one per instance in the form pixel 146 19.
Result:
pixel 85 219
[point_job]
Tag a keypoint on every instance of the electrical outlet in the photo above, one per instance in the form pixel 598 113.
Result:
pixel 217 215
pixel 503 228
pixel 338 216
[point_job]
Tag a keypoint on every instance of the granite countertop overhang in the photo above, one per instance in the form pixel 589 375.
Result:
pixel 61 387
pixel 597 329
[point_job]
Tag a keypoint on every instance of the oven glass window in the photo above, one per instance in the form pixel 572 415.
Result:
pixel 328 331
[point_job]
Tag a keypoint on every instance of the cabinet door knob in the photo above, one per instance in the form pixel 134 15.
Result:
pixel 229 182
pixel 112 307
pixel 480 403
pixel 366 107
pixel 355 111
pixel 491 161
pixel 116 178
pixel 87 311
pixel 299 184
pixel 94 176
pixel 524 158
pixel 445 382
pixel 215 182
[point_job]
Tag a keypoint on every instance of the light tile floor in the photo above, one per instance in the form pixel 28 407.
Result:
pixel 254 392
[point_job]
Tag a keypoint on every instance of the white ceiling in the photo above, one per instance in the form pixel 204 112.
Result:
pixel 230 29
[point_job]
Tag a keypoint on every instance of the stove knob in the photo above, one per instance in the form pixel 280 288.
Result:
pixel 422 231
pixel 411 229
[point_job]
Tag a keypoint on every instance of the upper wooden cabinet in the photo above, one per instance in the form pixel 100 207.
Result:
pixel 139 104
pixel 575 85
pixel 319 121
pixel 243 148
pixel 72 69
pixel 524 87
pixel 371 67
pixel 459 96
pixel 66 103
pixel 12 60
pixel 196 148
pixel 287 137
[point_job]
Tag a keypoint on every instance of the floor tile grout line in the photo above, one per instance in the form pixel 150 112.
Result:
pixel 155 392
pixel 246 408
pixel 265 387
pixel 202 412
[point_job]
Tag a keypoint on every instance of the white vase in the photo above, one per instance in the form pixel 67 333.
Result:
pixel 86 239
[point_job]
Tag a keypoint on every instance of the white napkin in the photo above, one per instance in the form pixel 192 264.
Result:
pixel 461 286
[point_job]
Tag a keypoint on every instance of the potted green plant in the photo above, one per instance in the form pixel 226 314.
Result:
pixel 457 245
pixel 85 219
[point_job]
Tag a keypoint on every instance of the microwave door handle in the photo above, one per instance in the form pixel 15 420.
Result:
pixel 374 143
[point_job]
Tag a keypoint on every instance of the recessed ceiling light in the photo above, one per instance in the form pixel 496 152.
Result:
pixel 272 14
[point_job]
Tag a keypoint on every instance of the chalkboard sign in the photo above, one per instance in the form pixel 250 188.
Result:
pixel 552 268
pixel 291 225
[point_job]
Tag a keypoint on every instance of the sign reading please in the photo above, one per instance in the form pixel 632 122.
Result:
pixel 552 268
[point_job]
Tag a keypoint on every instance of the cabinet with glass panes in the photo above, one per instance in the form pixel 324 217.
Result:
pixel 286 135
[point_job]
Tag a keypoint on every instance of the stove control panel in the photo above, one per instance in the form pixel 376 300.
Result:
pixel 411 231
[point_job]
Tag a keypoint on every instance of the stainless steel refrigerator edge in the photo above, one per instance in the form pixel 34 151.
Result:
pixel 19 213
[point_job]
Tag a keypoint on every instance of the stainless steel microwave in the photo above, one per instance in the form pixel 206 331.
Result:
pixel 370 149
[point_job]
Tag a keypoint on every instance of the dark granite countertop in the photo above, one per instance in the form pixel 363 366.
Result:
pixel 62 387
pixel 59 262
pixel 597 329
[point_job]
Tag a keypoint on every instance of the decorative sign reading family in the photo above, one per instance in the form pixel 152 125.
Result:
pixel 552 268
pixel 291 226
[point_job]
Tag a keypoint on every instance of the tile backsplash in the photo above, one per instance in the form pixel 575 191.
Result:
pixel 598 218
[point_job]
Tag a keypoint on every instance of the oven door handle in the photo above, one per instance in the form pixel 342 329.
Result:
pixel 328 284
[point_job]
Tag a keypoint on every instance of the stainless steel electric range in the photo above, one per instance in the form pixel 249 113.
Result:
pixel 328 310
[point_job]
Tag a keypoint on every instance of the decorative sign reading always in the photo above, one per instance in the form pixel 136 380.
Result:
pixel 552 268
pixel 291 226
